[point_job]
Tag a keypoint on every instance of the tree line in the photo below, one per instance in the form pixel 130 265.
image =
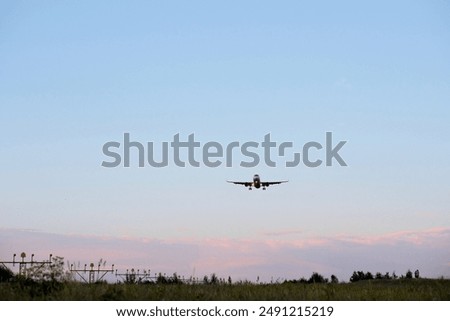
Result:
pixel 55 273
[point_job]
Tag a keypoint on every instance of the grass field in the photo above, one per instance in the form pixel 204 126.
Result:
pixel 401 289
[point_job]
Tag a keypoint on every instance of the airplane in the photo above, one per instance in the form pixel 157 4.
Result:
pixel 256 183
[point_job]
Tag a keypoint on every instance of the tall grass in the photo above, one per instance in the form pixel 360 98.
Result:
pixel 401 289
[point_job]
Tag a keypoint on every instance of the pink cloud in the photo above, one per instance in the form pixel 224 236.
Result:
pixel 426 250
pixel 432 236
pixel 283 232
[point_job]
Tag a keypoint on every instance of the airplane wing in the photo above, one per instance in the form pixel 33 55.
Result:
pixel 265 184
pixel 242 183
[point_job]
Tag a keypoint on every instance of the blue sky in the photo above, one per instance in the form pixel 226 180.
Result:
pixel 76 75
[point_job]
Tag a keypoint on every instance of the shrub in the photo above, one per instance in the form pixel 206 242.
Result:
pixel 317 278
pixel 334 279
pixel 6 274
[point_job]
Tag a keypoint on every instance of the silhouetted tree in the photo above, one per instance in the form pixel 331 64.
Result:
pixel 417 274
pixel 49 272
pixel 214 279
pixel 360 276
pixel 317 278
pixel 334 279
pixel 6 274
pixel 357 276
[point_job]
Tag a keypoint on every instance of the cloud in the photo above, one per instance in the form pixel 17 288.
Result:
pixel 426 250
pixel 283 232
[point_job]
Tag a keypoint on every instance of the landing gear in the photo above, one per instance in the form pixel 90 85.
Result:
pixel 249 188
pixel 264 188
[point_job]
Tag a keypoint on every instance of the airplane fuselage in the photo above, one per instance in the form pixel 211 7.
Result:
pixel 256 181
